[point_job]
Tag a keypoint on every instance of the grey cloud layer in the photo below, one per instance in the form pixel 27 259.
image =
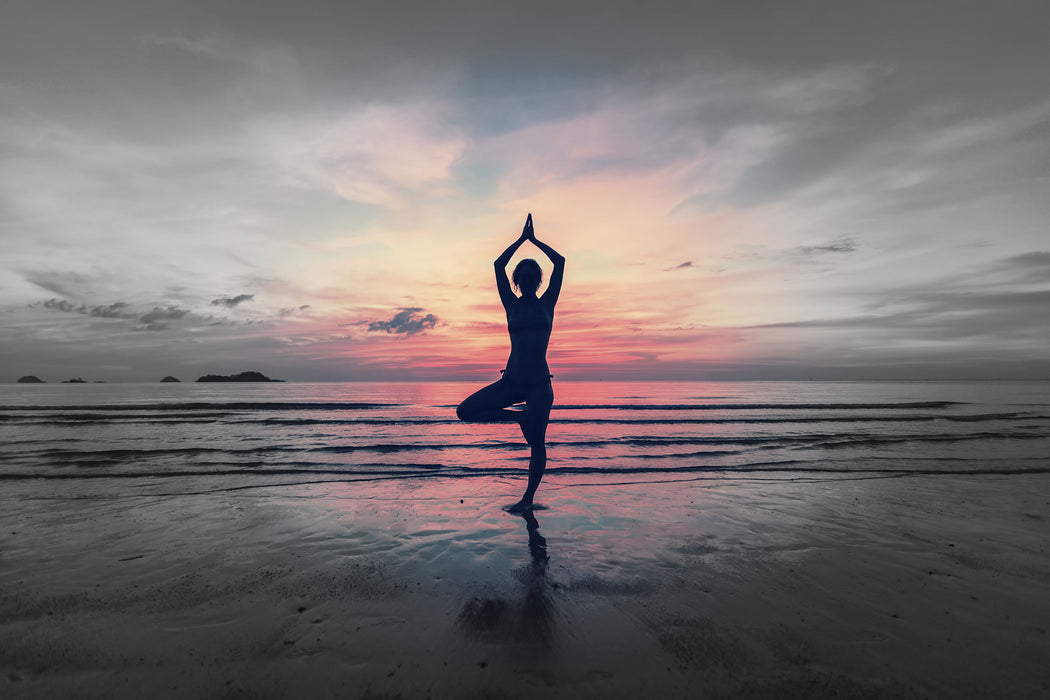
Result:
pixel 114 310
pixel 985 317
pixel 157 319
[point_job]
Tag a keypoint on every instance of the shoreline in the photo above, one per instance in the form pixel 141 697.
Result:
pixel 735 587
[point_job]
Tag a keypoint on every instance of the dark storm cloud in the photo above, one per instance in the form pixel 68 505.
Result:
pixel 405 322
pixel 159 318
pixel 230 302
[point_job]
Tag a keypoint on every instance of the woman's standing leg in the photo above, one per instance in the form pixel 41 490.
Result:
pixel 539 402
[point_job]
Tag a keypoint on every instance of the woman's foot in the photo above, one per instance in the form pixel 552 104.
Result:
pixel 521 506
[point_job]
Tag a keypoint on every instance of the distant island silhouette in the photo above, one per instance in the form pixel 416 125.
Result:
pixel 77 380
pixel 30 379
pixel 249 376
pixel 170 378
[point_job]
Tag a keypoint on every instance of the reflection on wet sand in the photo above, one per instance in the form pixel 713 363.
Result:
pixel 528 620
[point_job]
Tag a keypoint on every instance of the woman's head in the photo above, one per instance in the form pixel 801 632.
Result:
pixel 527 275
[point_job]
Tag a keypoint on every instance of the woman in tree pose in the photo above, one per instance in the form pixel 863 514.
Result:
pixel 527 377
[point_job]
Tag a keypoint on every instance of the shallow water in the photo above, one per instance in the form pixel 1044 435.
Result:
pixel 257 433
pixel 728 540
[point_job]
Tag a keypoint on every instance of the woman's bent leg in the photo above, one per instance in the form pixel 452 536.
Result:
pixel 488 405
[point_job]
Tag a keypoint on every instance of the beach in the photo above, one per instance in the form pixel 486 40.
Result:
pixel 806 540
pixel 742 587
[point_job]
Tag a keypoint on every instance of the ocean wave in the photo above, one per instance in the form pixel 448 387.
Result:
pixel 797 442
pixel 408 471
pixel 223 405
pixel 748 406
pixel 348 421
pixel 111 416
pixel 234 418
pixel 113 421
pixel 874 440
pixel 900 418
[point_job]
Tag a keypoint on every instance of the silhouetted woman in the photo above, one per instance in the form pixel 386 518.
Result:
pixel 527 377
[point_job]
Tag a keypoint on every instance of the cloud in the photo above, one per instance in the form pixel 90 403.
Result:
pixel 842 245
pixel 982 318
pixel 1039 258
pixel 60 305
pixel 382 154
pixel 292 310
pixel 63 283
pixel 158 318
pixel 687 263
pixel 114 310
pixel 1027 268
pixel 405 322
pixel 230 302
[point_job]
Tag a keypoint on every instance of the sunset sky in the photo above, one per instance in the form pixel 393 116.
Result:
pixel 317 191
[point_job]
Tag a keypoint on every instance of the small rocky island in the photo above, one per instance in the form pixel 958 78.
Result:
pixel 249 376
pixel 77 380
pixel 30 379
pixel 170 378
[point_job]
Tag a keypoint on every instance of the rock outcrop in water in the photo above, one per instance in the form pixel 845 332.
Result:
pixel 249 376
pixel 170 378
pixel 30 379
pixel 77 380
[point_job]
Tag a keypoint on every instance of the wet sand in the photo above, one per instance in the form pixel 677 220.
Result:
pixel 925 586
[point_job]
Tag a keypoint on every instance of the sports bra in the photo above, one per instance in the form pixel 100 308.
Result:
pixel 528 319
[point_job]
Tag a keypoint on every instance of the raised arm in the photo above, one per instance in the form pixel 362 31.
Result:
pixel 550 296
pixel 502 283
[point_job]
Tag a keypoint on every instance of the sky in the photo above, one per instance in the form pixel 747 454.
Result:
pixel 317 190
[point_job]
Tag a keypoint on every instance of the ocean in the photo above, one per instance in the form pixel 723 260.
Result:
pixel 733 539
pixel 175 437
